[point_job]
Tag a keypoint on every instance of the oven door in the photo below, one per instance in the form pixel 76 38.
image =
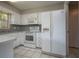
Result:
pixel 29 39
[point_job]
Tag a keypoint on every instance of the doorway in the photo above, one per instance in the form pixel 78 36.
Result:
pixel 73 29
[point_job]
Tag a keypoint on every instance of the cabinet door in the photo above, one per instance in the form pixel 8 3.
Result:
pixel 58 32
pixel 22 37
pixel 12 21
pixel 15 18
pixel 39 18
pixel 38 40
pixel 24 20
pixel 45 36
pixel 15 41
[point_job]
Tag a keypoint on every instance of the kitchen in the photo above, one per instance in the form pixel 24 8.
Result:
pixel 33 25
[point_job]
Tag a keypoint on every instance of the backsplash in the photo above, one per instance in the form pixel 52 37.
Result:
pixel 17 28
pixel 28 28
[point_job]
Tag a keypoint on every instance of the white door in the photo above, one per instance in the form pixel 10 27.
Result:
pixel 58 32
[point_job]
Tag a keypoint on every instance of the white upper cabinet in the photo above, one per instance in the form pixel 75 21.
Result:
pixel 15 18
pixel 44 18
pixel 23 19
pixel 30 18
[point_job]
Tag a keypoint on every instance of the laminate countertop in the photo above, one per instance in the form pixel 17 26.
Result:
pixel 5 38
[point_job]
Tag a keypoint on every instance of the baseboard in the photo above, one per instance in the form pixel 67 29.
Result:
pixel 30 45
pixel 18 46
pixel 38 47
pixel 52 54
pixel 74 47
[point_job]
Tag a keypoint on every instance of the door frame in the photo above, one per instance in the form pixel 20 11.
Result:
pixel 66 8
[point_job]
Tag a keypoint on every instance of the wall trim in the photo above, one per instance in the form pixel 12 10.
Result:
pixel 53 54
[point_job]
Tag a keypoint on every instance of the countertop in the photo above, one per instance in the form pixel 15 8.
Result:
pixel 7 32
pixel 5 38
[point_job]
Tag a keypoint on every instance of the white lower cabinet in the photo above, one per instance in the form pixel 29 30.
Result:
pixel 38 40
pixel 20 38
pixel 46 42
pixel 15 41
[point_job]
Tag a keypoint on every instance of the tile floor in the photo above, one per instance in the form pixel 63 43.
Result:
pixel 24 52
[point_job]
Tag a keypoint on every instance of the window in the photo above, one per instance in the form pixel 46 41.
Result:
pixel 4 20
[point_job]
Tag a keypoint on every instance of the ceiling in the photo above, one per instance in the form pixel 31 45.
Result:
pixel 24 5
